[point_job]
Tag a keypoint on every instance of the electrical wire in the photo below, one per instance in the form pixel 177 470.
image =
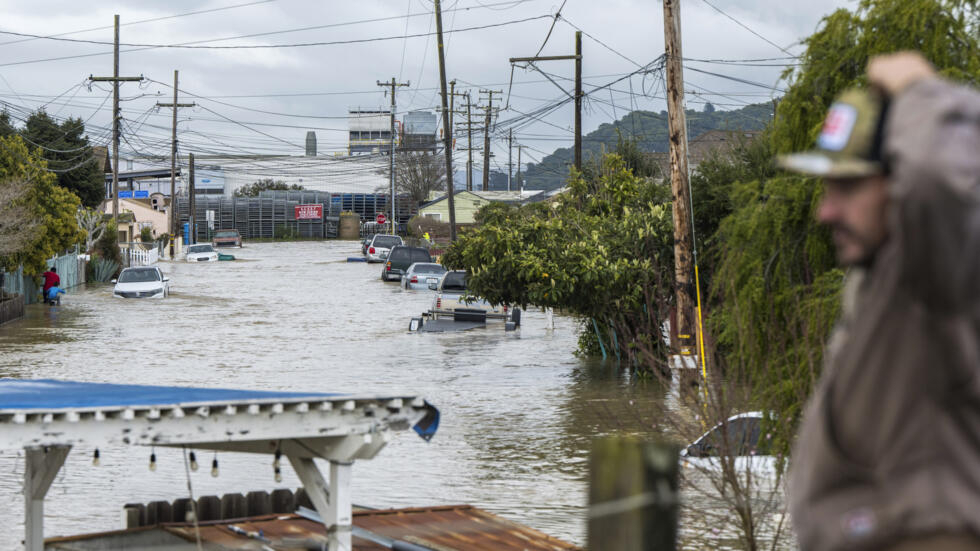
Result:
pixel 746 27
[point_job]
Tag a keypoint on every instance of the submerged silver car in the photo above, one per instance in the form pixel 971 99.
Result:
pixel 421 274
pixel 380 246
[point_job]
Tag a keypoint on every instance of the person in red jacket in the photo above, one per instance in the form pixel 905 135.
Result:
pixel 51 279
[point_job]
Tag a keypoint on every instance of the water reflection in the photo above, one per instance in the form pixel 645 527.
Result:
pixel 519 409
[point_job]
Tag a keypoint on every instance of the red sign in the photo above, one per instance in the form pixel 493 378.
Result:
pixel 381 219
pixel 309 212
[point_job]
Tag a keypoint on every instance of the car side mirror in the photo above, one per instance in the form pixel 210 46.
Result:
pixel 433 286
pixel 166 279
pixel 113 280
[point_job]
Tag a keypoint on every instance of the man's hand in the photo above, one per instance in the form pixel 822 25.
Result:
pixel 892 73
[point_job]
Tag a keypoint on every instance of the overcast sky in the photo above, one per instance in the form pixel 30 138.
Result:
pixel 312 87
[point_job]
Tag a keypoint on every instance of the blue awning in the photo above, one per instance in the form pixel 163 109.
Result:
pixel 47 394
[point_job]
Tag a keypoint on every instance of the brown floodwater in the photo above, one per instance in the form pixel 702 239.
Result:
pixel 519 409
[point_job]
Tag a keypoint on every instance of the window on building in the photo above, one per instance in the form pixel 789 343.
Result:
pixel 434 215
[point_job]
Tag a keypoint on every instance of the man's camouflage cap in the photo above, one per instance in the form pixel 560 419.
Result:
pixel 849 144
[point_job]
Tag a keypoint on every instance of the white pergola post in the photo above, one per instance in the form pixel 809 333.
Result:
pixel 334 507
pixel 340 512
pixel 41 466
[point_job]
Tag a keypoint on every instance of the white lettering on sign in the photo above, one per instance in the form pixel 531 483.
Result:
pixel 309 212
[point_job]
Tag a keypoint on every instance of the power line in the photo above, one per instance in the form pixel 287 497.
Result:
pixel 140 21
pixel 736 79
pixel 547 36
pixel 746 27
pixel 274 46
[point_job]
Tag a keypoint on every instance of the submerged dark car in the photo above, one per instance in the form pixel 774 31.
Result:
pixel 400 258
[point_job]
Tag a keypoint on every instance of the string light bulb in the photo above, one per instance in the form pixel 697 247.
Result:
pixel 214 467
pixel 153 461
pixel 95 458
pixel 194 464
pixel 278 474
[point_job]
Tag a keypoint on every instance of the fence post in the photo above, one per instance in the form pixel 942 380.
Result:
pixel 633 499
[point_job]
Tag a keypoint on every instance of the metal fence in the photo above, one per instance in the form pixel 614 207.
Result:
pixel 255 217
pixel 367 205
pixel 71 271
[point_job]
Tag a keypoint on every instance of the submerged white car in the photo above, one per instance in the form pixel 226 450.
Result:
pixel 201 253
pixel 739 438
pixel 141 282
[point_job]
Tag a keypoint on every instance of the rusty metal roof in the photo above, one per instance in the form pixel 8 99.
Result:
pixel 441 528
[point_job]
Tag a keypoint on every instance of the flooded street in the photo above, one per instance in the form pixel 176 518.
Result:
pixel 518 408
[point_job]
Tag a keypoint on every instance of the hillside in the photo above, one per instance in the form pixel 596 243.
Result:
pixel 650 131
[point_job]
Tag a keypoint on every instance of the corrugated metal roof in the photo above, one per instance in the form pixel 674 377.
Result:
pixel 441 528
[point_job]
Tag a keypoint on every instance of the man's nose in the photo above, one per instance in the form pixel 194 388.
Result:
pixel 829 209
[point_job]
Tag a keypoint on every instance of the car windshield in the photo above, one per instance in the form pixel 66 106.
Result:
pixel 454 281
pixel 200 249
pixel 226 233
pixel 737 437
pixel 419 255
pixel 386 241
pixel 398 253
pixel 435 269
pixel 139 275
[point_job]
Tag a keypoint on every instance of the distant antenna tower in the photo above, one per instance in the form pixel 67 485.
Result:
pixel 311 144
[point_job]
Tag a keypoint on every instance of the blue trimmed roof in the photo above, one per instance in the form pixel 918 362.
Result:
pixel 45 394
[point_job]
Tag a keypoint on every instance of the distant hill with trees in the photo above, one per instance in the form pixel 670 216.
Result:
pixel 650 132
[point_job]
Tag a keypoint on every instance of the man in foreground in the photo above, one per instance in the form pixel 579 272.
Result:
pixel 888 455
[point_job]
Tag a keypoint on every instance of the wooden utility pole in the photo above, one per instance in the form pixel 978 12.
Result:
pixel 115 79
pixel 520 183
pixel 486 137
pixel 683 259
pixel 510 163
pixel 578 101
pixel 578 89
pixel 469 137
pixel 391 174
pixel 192 202
pixel 446 127
pixel 173 161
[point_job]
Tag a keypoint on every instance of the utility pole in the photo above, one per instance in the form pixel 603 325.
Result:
pixel 469 136
pixel 173 163
pixel 115 79
pixel 486 137
pixel 192 202
pixel 578 101
pixel 510 147
pixel 683 246
pixel 469 144
pixel 447 133
pixel 520 183
pixel 578 89
pixel 393 84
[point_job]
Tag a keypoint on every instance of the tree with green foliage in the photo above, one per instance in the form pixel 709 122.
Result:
pixel 267 184
pixel 68 153
pixel 6 126
pixel 597 251
pixel 776 285
pixel 51 204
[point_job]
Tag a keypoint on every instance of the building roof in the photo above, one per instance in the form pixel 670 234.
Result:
pixel 512 197
pixel 50 412
pixel 442 528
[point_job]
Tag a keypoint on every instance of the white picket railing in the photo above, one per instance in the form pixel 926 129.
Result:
pixel 141 257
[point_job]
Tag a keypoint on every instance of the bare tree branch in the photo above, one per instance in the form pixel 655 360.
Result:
pixel 17 222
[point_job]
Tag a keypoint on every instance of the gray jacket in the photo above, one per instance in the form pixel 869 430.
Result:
pixel 890 442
